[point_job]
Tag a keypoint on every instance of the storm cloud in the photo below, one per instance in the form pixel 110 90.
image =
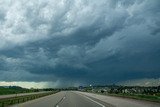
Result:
pixel 79 41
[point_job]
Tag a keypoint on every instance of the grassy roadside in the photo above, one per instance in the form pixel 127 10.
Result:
pixel 152 98
pixel 138 97
pixel 20 99
pixel 15 90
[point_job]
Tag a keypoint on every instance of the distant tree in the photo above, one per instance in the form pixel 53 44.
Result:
pixel 158 89
pixel 102 91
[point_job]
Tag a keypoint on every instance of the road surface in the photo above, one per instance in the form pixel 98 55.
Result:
pixel 82 99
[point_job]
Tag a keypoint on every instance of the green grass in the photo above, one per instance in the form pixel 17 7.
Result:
pixel 154 98
pixel 5 91
pixel 16 90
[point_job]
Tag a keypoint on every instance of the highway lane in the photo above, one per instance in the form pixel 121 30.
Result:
pixel 73 99
pixel 63 99
pixel 47 101
pixel 122 102
pixel 82 99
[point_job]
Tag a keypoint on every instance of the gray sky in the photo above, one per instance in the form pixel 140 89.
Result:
pixel 75 42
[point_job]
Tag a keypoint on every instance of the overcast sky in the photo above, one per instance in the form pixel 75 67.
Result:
pixel 79 42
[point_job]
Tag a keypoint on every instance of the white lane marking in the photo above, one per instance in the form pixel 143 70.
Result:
pixel 93 100
pixel 60 101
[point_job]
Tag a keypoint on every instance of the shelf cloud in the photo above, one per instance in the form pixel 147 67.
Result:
pixel 79 41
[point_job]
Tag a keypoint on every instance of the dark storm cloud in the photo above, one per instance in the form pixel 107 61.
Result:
pixel 85 41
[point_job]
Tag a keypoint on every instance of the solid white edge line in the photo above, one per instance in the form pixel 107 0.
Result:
pixel 92 100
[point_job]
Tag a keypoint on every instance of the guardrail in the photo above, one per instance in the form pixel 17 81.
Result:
pixel 20 99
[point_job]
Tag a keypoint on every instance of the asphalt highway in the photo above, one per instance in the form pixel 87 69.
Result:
pixel 82 99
